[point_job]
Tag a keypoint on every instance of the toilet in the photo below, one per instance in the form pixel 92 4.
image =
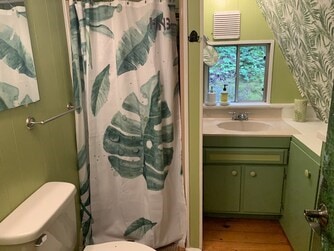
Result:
pixel 46 221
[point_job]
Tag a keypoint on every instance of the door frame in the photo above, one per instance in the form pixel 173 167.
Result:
pixel 191 75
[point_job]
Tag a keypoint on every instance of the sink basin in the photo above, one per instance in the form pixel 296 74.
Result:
pixel 245 126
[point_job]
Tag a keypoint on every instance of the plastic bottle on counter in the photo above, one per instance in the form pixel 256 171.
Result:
pixel 224 96
pixel 211 98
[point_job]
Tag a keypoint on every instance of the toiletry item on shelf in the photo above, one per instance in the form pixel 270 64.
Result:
pixel 211 98
pixel 300 110
pixel 224 96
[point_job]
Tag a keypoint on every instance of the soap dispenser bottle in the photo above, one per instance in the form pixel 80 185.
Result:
pixel 211 100
pixel 224 96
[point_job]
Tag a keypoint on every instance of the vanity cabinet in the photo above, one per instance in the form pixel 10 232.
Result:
pixel 222 188
pixel 244 175
pixel 247 189
pixel 262 189
pixel 301 192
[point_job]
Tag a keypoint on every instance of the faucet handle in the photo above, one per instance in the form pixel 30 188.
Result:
pixel 234 115
pixel 239 115
pixel 243 116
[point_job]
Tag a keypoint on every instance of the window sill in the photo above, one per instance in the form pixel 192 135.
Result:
pixel 258 110
pixel 258 105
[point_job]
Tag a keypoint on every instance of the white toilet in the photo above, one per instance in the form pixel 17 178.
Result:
pixel 46 221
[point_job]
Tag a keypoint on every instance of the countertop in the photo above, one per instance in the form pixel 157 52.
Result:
pixel 312 132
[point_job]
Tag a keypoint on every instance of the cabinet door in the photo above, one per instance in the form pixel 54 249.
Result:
pixel 301 190
pixel 221 188
pixel 262 189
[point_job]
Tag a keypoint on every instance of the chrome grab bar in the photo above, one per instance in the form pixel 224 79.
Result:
pixel 31 122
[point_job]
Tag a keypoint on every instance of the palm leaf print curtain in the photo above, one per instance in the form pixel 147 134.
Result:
pixel 125 78
pixel 304 32
pixel 18 82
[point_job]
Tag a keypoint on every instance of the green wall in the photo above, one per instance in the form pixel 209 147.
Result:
pixel 29 158
pixel 254 27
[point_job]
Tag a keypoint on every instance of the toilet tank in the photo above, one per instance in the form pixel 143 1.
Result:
pixel 45 221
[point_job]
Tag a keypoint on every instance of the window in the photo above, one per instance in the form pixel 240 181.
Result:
pixel 245 70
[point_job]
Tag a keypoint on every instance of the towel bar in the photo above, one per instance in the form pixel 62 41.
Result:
pixel 31 122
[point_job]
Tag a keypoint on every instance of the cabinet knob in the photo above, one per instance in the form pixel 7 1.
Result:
pixel 252 173
pixel 234 173
pixel 307 173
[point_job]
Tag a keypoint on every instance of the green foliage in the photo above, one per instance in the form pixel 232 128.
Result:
pixel 141 147
pixel 8 94
pixel 249 71
pixel 138 229
pixel 100 90
pixel 13 53
pixel 136 44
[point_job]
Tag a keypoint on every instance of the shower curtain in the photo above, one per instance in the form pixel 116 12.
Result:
pixel 125 79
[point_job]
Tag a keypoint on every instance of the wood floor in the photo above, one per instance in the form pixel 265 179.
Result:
pixel 220 234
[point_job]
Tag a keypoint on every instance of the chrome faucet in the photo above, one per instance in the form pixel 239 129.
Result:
pixel 239 115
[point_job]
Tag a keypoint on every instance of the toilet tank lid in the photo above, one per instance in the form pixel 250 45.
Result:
pixel 28 221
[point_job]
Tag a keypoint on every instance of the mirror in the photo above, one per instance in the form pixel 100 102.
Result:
pixel 18 82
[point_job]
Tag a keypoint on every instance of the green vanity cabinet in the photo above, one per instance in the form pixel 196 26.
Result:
pixel 300 193
pixel 244 189
pixel 262 189
pixel 222 186
pixel 244 175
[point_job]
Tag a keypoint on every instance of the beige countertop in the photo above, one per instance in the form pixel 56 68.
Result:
pixel 311 133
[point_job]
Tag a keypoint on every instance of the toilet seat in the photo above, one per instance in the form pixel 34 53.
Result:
pixel 118 246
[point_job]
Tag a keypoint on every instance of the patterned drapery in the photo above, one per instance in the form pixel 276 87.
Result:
pixel 125 78
pixel 304 31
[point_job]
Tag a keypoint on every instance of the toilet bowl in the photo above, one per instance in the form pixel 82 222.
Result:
pixel 46 221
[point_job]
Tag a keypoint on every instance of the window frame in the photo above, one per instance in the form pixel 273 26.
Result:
pixel 271 50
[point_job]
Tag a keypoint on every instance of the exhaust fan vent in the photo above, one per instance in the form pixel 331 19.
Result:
pixel 226 25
